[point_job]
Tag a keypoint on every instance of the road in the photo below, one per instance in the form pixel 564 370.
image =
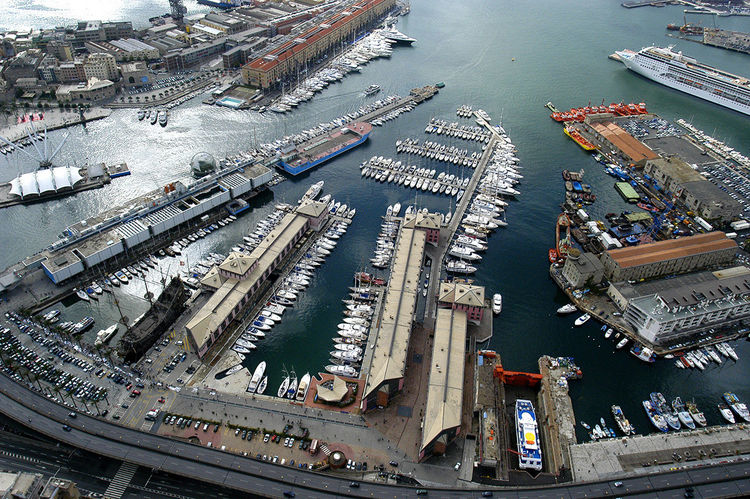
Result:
pixel 251 476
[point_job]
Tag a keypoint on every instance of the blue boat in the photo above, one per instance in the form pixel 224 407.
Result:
pixel 316 152
pixel 527 436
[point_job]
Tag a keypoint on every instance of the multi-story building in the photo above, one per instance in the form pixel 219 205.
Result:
pixel 292 56
pixel 464 296
pixel 61 49
pixel 23 65
pixel 665 311
pixel 135 74
pixel 583 270
pixel 70 72
pixel 101 66
pixel 673 256
pixel 90 91
pixel 181 59
pixel 91 31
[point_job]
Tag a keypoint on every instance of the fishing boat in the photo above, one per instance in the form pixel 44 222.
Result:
pixel 304 384
pixel 660 404
pixel 262 386
pixel 643 353
pixel 625 426
pixel 696 414
pixel 582 319
pixel 252 387
pixel 726 413
pixel 527 436
pixel 739 407
pixel 682 413
pixel 656 419
pixel 497 303
pixel 283 387
pixel 566 309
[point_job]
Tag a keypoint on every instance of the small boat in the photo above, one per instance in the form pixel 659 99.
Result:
pixel 567 309
pixel 497 303
pixel 608 333
pixel 240 349
pixel 726 413
pixel 235 368
pixel 582 319
pixel 621 343
pixel 585 425
pixel 292 386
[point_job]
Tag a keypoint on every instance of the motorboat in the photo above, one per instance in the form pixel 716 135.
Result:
pixel 304 384
pixel 695 413
pixel 240 349
pixel 257 376
pixel 82 295
pixel 245 344
pixel 348 347
pixel 104 335
pixel 582 319
pixel 347 371
pixel 608 333
pixel 235 368
pixel 292 390
pixel 497 303
pixel 350 356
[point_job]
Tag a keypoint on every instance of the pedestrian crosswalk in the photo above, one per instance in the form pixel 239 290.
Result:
pixel 324 448
pixel 121 480
pixel 15 455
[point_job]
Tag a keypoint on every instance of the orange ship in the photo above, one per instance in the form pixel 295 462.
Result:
pixel 580 113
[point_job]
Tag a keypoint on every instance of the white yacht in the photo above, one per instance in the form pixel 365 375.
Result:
pixel 497 303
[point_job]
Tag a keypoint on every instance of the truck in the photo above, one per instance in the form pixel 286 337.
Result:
pixel 314 447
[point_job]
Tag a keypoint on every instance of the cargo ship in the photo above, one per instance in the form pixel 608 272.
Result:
pixel 683 73
pixel 319 150
pixel 527 435
pixel 579 139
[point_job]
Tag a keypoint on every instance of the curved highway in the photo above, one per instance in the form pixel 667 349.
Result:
pixel 259 477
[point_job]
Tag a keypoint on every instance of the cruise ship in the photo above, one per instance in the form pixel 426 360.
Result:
pixel 684 73
pixel 527 435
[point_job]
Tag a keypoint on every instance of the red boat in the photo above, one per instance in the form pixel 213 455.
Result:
pixel 552 255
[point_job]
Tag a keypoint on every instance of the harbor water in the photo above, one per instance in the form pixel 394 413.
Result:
pixel 508 58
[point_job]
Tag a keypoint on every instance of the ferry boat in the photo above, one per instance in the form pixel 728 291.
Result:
pixel 737 406
pixel 683 73
pixel 104 335
pixel 252 387
pixel 309 155
pixel 578 138
pixel 656 419
pixel 527 436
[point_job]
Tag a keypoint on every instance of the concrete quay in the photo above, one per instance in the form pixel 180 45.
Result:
pixel 620 457
pixel 54 119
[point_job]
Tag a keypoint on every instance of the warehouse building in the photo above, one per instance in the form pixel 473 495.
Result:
pixel 445 387
pixel 240 276
pixel 665 311
pixel 673 256
pixel 462 295
pixel 617 140
pixel 385 376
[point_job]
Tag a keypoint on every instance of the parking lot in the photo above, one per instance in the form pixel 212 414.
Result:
pixel 729 179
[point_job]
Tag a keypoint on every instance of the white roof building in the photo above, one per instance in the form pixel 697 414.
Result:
pixel 45 181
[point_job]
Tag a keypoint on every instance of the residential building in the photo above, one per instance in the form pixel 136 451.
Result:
pixel 135 74
pixel 294 55
pixel 70 72
pixel 101 66
pixel 673 256
pixel 93 31
pixel 664 312
pixel 23 65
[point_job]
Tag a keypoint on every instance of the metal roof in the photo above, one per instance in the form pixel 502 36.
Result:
pixel 671 249
pixel 445 387
pixel 392 342
pixel 463 293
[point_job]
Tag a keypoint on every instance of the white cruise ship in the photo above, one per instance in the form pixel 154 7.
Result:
pixel 684 73
pixel 527 436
